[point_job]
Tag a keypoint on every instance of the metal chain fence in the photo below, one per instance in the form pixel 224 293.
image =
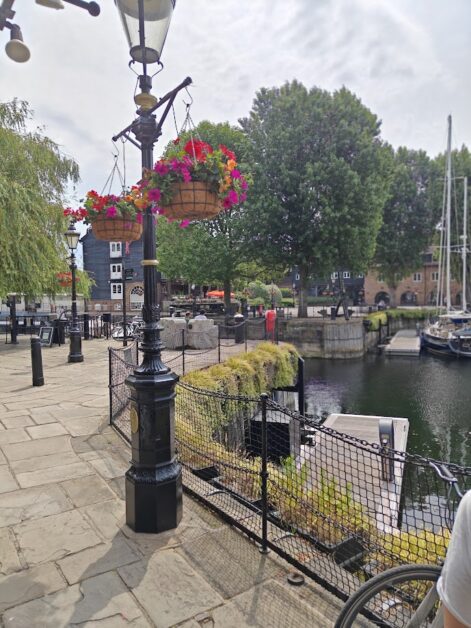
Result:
pixel 337 507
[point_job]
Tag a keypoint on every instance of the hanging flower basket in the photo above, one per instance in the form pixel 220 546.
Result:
pixel 116 229
pixel 64 279
pixel 192 201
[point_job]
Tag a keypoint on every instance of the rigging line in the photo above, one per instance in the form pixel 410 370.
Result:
pixel 175 120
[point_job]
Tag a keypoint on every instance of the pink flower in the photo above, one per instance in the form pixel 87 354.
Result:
pixel 233 197
pixel 139 218
pixel 227 203
pixel 186 175
pixel 235 174
pixel 242 197
pixel 175 164
pixel 111 211
pixel 161 169
pixel 243 184
pixel 154 195
pixel 184 223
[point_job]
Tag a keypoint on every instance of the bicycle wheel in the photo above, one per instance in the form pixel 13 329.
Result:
pixel 117 333
pixel 401 597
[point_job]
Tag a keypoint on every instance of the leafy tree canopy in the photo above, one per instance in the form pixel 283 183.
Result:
pixel 321 178
pixel 33 180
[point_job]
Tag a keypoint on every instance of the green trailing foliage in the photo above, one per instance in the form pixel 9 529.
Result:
pixel 378 318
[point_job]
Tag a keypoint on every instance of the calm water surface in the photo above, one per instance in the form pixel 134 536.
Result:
pixel 433 393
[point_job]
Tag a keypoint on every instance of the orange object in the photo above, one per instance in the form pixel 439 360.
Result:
pixel 270 319
pixel 218 294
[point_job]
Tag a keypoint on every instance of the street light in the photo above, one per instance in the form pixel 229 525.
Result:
pixel 72 237
pixel 154 481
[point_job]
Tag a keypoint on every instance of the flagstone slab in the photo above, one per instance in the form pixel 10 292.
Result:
pixel 87 490
pixel 72 411
pixel 53 474
pixel 83 426
pixel 32 503
pixel 28 585
pixel 7 481
pixel 98 559
pixel 100 598
pixel 44 462
pixel 46 431
pixel 168 588
pixel 54 537
pixel 9 559
pixel 110 465
pixel 16 435
pixel 107 517
pixel 40 447
pixel 3 460
pixel 22 420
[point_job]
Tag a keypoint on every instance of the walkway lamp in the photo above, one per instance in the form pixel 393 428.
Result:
pixel 154 480
pixel 72 237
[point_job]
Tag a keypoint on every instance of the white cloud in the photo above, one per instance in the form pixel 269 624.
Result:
pixel 406 61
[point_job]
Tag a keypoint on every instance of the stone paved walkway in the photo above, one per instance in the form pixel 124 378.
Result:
pixel 66 556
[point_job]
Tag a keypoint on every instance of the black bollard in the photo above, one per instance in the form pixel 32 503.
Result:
pixel 86 326
pixel 37 361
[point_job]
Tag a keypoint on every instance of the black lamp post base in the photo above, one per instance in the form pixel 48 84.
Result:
pixel 153 503
pixel 75 349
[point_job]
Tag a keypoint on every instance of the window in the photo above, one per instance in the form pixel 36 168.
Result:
pixel 115 271
pixel 417 277
pixel 434 276
pixel 360 275
pixel 115 249
pixel 346 274
pixel 136 298
pixel 334 275
pixel 297 277
pixel 116 290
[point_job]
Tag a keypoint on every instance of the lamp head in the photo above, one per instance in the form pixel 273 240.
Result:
pixel 72 236
pixel 15 48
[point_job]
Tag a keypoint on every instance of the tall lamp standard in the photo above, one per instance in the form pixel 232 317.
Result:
pixel 72 237
pixel 153 483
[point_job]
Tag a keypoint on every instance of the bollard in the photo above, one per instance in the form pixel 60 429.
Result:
pixel 37 361
pixel 86 326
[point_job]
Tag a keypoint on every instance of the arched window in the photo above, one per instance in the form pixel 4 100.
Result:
pixel 136 298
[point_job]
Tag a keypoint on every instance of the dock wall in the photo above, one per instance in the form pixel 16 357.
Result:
pixel 324 338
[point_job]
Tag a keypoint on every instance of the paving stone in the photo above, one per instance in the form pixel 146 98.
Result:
pixel 54 537
pixel 13 413
pixel 16 435
pixel 229 562
pixel 3 460
pixel 85 604
pixel 53 474
pixel 87 490
pixel 32 503
pixel 28 585
pixel 109 465
pixel 65 411
pixel 98 559
pixel 42 447
pixel 80 444
pixel 83 426
pixel 107 517
pixel 43 462
pixel 9 559
pixel 46 431
pixel 16 421
pixel 168 588
pixel 7 481
pixel 266 605
pixel 118 485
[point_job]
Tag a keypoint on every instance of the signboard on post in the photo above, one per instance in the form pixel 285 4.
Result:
pixel 128 274
pixel 45 336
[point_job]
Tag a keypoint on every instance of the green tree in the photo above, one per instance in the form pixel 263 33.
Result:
pixel 210 251
pixel 408 217
pixel 34 176
pixel 320 180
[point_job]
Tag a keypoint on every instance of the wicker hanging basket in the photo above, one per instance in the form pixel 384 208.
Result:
pixel 192 201
pixel 116 229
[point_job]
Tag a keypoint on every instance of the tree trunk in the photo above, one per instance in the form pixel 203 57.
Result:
pixel 302 305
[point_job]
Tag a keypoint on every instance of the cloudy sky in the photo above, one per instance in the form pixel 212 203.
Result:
pixel 408 60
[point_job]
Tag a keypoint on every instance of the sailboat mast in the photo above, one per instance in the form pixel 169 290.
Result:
pixel 465 240
pixel 448 219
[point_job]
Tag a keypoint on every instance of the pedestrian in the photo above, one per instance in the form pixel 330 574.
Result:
pixel 201 316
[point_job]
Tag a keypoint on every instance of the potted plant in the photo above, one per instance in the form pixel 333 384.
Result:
pixel 113 218
pixel 195 182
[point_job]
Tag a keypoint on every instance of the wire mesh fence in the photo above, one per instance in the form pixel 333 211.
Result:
pixel 339 508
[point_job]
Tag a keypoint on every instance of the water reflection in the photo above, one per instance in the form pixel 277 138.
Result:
pixel 433 393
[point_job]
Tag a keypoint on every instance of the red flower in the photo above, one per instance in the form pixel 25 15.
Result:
pixel 198 149
pixel 177 141
pixel 229 154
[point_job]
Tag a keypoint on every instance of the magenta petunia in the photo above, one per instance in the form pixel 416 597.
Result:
pixel 186 175
pixel 242 197
pixel 243 184
pixel 154 195
pixel 184 223
pixel 233 197
pixel 111 211
pixel 161 169
pixel 227 203
pixel 139 218
pixel 235 174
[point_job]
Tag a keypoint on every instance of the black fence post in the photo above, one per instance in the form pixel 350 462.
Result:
pixel 37 361
pixel 245 334
pixel 264 475
pixel 183 352
pixel 300 386
pixel 110 384
pixel 219 344
pixel 86 326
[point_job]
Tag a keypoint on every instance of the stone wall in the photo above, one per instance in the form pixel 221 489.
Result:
pixel 324 338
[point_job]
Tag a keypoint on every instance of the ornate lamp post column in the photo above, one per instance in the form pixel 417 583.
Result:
pixel 153 482
pixel 75 350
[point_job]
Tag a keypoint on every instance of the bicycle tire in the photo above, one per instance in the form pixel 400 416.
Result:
pixel 357 605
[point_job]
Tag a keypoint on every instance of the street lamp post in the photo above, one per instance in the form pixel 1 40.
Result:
pixel 153 483
pixel 72 237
